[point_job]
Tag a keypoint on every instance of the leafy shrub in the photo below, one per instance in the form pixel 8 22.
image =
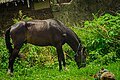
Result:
pixel 102 38
pixel 37 55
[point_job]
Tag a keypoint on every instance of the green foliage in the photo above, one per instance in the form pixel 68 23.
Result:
pixel 3 54
pixel 101 36
pixel 21 17
pixel 37 55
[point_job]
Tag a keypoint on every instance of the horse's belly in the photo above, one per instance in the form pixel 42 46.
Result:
pixel 39 40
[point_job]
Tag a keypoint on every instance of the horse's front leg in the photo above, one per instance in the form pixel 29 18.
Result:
pixel 60 57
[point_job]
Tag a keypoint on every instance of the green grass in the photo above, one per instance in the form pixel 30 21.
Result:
pixel 52 73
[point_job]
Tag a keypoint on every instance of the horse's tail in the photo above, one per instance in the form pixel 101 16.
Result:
pixel 7 40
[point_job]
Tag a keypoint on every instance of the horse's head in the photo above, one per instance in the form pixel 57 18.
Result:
pixel 80 57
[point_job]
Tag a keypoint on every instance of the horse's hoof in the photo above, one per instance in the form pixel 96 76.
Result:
pixel 79 67
pixel 9 73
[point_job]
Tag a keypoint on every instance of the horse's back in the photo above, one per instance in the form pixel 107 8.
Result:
pixel 44 32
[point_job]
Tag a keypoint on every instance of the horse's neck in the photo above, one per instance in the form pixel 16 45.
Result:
pixel 73 41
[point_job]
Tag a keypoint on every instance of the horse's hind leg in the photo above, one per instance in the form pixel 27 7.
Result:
pixel 13 57
pixel 60 57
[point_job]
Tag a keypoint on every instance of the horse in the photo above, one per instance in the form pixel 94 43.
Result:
pixel 49 32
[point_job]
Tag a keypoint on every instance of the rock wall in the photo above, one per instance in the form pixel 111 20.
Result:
pixel 80 10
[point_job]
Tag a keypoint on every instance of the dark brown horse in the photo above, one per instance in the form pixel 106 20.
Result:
pixel 43 33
